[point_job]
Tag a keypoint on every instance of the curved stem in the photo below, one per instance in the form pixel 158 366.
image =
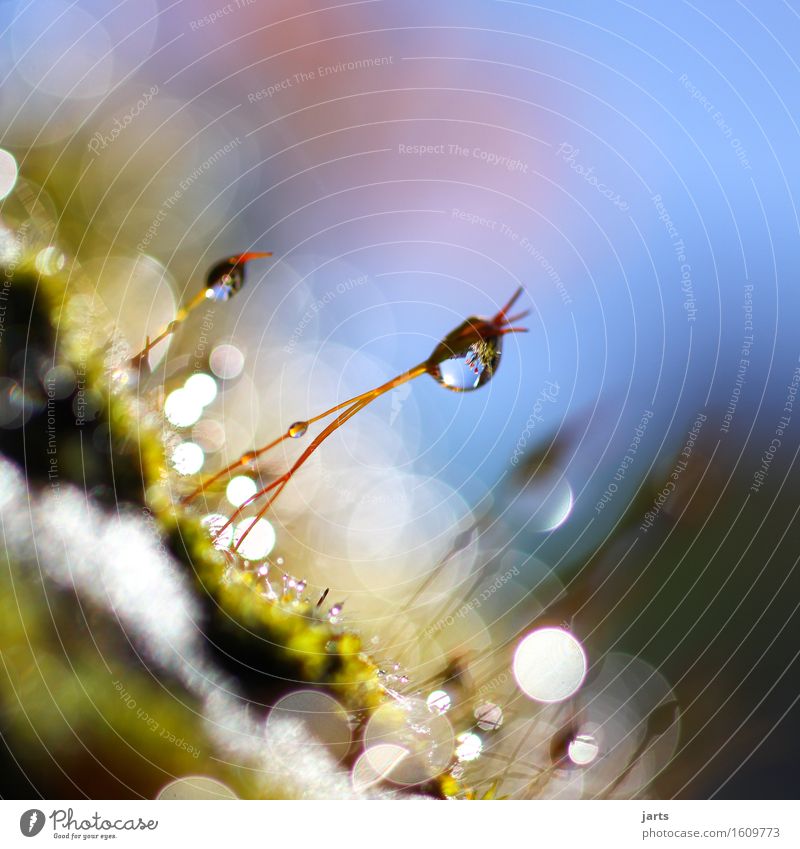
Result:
pixel 168 329
pixel 356 405
pixel 249 456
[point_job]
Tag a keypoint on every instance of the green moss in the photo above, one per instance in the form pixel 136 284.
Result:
pixel 87 725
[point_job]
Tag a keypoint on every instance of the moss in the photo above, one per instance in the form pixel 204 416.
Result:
pixel 95 437
pixel 268 644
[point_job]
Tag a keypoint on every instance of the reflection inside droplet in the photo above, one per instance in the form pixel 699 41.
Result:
pixel 471 368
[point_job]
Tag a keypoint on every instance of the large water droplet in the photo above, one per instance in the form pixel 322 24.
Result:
pixel 224 280
pixel 470 367
pixel 298 429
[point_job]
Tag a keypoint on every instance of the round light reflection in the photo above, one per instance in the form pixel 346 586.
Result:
pixel 226 361
pixel 8 172
pixel 438 702
pixel 258 543
pixel 215 522
pixel 196 787
pixel 181 409
pixel 468 747
pixel 239 489
pixel 188 458
pixel 202 388
pixel 549 665
pixel 583 749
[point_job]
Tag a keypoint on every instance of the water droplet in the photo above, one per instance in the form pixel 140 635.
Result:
pixel 488 716
pixel 224 280
pixel 438 702
pixel 298 429
pixel 466 360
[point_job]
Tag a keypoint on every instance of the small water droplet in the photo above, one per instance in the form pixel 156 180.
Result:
pixel 298 429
